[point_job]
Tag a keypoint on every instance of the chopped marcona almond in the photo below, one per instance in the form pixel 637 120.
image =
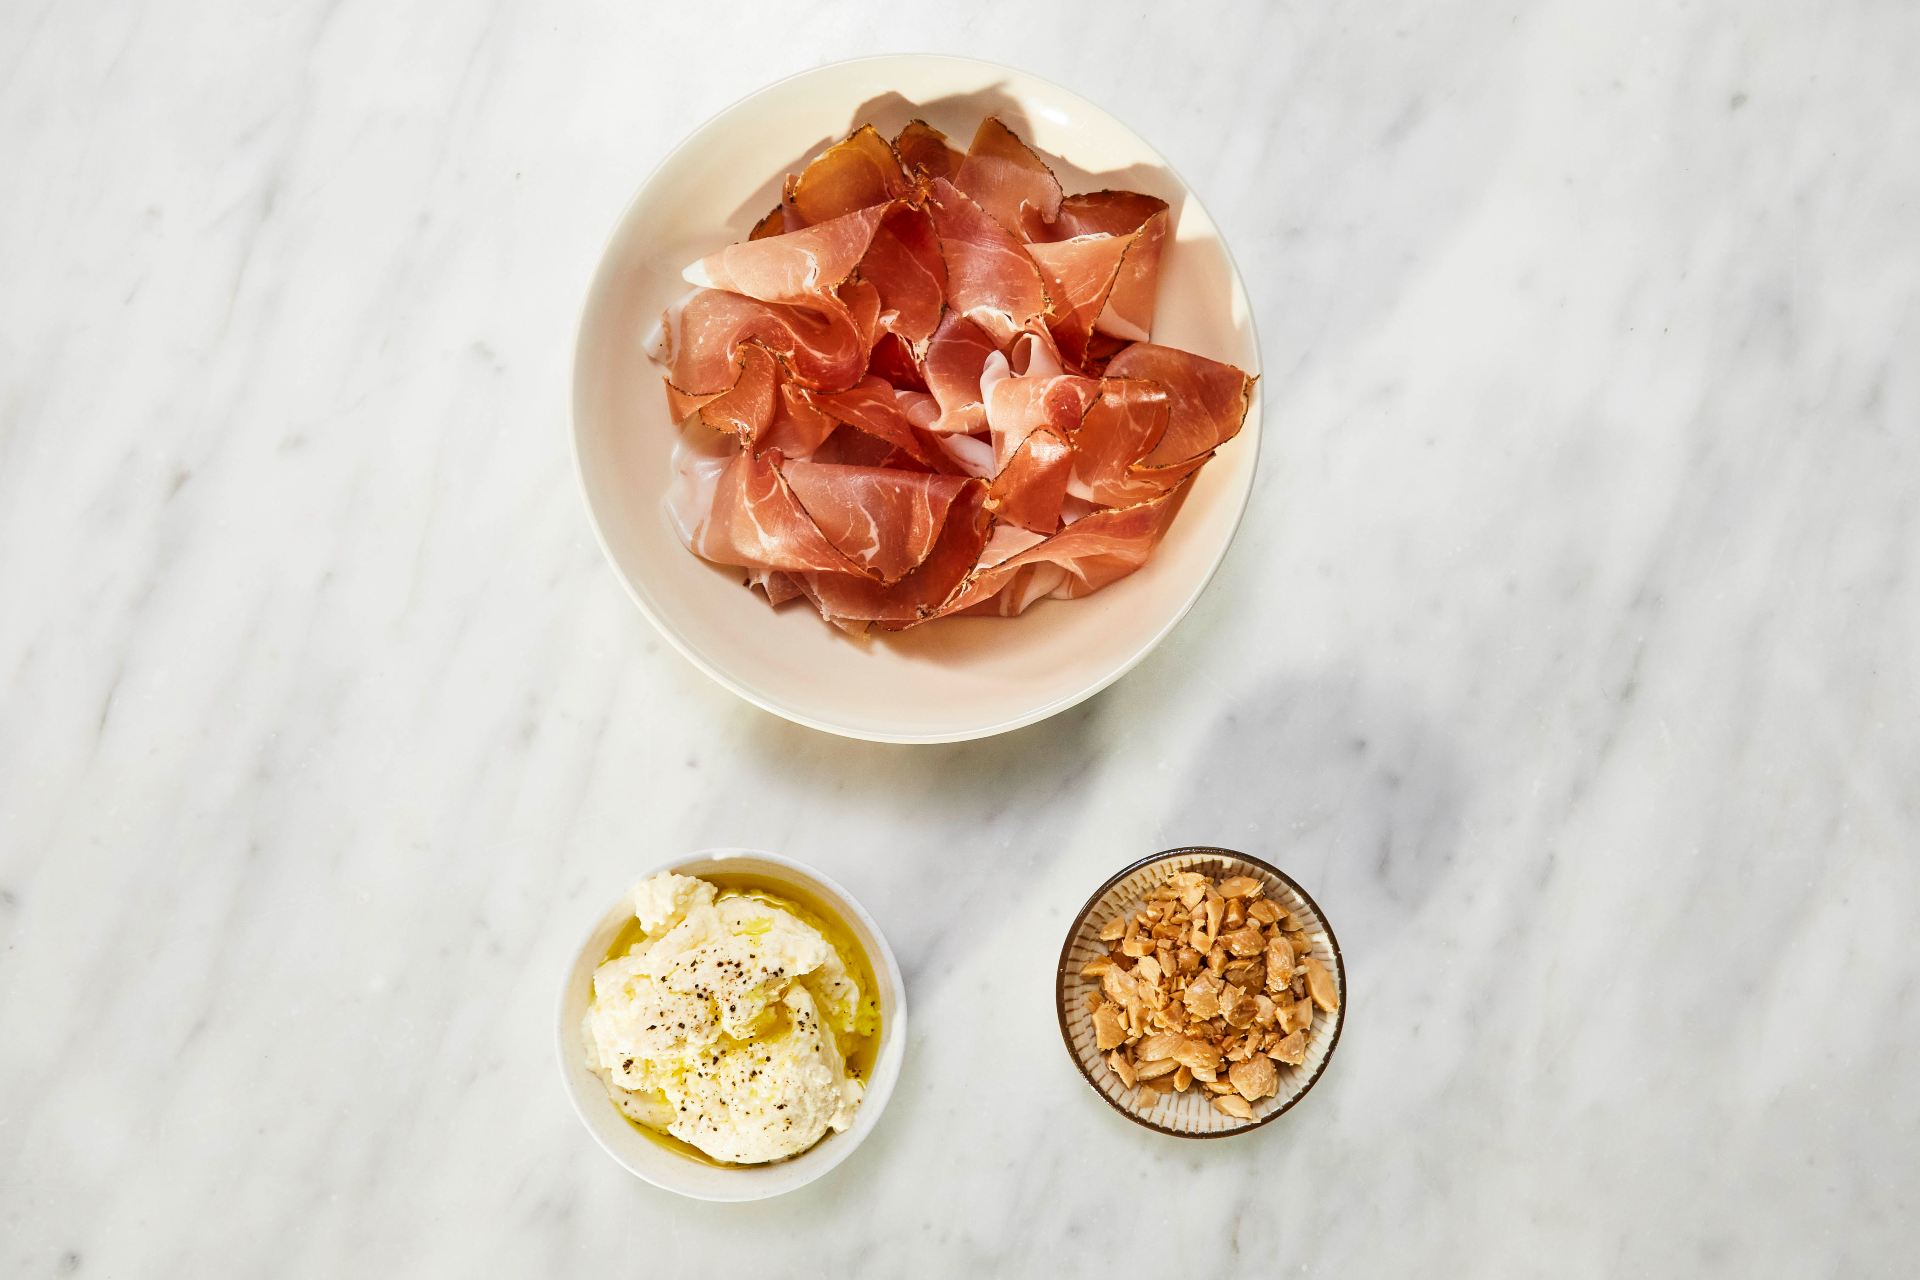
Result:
pixel 1292 1050
pixel 1158 1047
pixel 1107 1031
pixel 1255 1078
pixel 1320 985
pixel 1203 997
pixel 1208 982
pixel 1246 941
pixel 1234 1105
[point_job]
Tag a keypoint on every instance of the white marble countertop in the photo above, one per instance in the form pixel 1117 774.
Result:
pixel 1568 654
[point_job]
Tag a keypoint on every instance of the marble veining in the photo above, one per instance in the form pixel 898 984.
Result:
pixel 1567 654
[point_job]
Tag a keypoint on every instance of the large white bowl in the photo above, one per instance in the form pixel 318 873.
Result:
pixel 653 1161
pixel 957 678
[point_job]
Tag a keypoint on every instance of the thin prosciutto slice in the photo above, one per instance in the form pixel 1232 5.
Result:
pixel 923 386
pixel 855 173
pixel 1206 400
pixel 1003 176
pixel 990 277
pixel 1092 552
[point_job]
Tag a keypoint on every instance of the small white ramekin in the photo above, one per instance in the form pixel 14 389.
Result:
pixel 659 1164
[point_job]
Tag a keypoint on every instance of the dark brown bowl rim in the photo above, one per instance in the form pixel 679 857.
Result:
pixel 1061 975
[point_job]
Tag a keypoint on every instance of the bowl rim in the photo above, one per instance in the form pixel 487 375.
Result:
pixel 880 1086
pixel 765 700
pixel 1062 973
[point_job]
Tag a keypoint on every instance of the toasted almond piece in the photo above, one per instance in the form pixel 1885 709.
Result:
pixel 1292 1050
pixel 1234 1105
pixel 1197 1054
pixel 1193 895
pixel 1146 1097
pixel 1148 970
pixel 1239 887
pixel 1092 1001
pixel 1113 929
pixel 1264 910
pixel 1157 1047
pixel 1217 1086
pixel 1320 986
pixel 1121 1067
pixel 1245 941
pixel 1236 913
pixel 1279 961
pixel 1241 1050
pixel 1248 974
pixel 1254 1078
pixel 1187 960
pixel 1216 912
pixel 1202 996
pixel 1302 1013
pixel 1119 985
pixel 1217 960
pixel 1096 966
pixel 1155 1069
pixel 1206 1073
pixel 1136 945
pixel 1265 1012
pixel 1237 1007
pixel 1107 1031
pixel 1183 1079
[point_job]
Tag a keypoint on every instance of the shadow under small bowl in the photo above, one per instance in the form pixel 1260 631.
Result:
pixel 1190 1114
pixel 646 1156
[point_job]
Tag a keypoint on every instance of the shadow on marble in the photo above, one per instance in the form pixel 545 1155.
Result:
pixel 1349 790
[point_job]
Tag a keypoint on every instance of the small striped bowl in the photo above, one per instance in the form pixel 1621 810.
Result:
pixel 1190 1114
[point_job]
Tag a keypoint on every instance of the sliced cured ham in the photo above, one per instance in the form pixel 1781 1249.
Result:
pixel 883 520
pixel 990 277
pixel 923 386
pixel 902 419
pixel 955 359
pixel 1101 260
pixel 804 266
pixel 903 262
pixel 1206 400
pixel 1030 485
pixel 819 347
pixel 924 151
pixel 1003 176
pixel 1092 552
pixel 855 173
